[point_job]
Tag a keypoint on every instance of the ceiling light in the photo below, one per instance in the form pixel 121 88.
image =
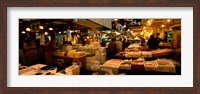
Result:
pixel 51 29
pixel 64 31
pixel 23 32
pixel 162 25
pixel 41 27
pixel 28 29
pixel 46 33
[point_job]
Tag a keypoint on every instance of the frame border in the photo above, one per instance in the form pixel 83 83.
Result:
pixel 97 3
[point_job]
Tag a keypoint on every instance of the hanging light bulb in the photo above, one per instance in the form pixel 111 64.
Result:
pixel 28 29
pixel 50 29
pixel 23 32
pixel 45 33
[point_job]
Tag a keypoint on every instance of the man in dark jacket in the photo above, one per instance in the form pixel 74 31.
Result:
pixel 153 42
pixel 112 49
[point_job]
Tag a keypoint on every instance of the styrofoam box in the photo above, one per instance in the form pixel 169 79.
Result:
pixel 146 54
pixel 113 64
pixel 125 67
pixel 150 66
pixel 90 59
pixel 103 49
pixel 73 70
pixel 165 65
pixel 37 66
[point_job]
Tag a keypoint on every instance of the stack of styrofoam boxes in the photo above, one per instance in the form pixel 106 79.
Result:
pixel 113 64
pixel 89 62
pixel 101 55
pixel 72 70
pixel 165 65
pixel 95 45
pixel 95 65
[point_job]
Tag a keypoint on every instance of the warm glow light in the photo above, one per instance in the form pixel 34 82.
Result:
pixel 49 38
pixel 144 27
pixel 51 29
pixel 64 31
pixel 168 20
pixel 41 27
pixel 59 32
pixel 115 19
pixel 141 33
pixel 149 22
pixel 162 25
pixel 46 33
pixel 124 26
pixel 28 29
pixel 23 32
